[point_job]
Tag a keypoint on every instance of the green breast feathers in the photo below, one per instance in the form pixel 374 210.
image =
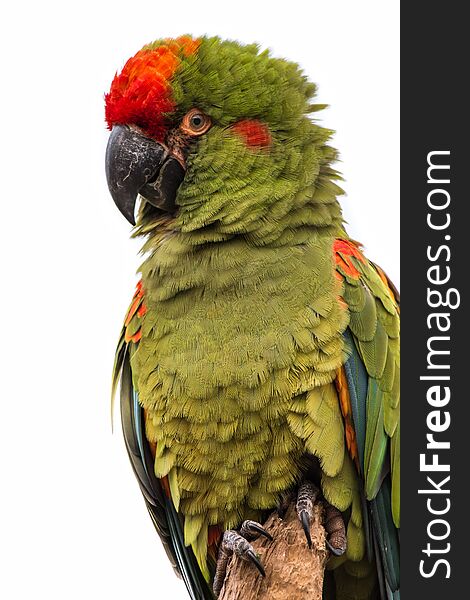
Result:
pixel 238 365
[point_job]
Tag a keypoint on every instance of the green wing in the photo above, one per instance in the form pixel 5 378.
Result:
pixel 374 330
pixel 373 378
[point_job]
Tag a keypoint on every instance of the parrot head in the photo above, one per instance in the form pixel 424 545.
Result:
pixel 213 136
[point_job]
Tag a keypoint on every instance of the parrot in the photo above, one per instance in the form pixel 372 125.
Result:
pixel 258 362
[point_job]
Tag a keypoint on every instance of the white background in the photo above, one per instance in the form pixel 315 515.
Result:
pixel 73 525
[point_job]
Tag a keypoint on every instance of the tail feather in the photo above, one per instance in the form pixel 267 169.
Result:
pixel 386 535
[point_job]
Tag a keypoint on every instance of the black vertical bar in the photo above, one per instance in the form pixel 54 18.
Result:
pixel 435 112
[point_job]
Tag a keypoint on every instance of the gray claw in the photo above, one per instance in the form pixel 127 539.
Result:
pixel 250 530
pixel 255 560
pixel 335 551
pixel 235 543
pixel 306 498
pixel 305 520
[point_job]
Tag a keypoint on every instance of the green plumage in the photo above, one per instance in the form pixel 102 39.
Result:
pixel 243 332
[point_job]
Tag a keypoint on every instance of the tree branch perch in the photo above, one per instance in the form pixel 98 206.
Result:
pixel 292 570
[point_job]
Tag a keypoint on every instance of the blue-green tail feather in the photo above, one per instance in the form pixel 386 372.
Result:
pixel 381 534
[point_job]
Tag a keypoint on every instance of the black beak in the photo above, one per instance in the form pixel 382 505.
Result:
pixel 136 164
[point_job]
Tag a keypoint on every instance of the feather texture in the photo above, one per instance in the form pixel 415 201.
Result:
pixel 373 376
pixel 160 507
pixel 260 336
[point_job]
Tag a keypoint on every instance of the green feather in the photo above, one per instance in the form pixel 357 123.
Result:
pixel 339 489
pixel 324 428
pixel 376 440
pixel 192 527
pixel 164 462
pixel 174 487
pixel 355 542
pixel 388 375
pixel 395 451
pixel 363 323
pixel 374 352
pixel 200 552
pixel 355 296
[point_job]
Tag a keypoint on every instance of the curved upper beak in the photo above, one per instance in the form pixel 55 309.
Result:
pixel 136 164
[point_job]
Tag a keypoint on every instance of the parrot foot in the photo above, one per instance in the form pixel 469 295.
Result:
pixel 237 543
pixel 334 525
pixel 335 530
pixel 306 498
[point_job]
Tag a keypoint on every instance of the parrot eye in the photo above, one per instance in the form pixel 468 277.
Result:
pixel 195 122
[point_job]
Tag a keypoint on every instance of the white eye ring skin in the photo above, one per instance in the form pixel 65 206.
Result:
pixel 195 122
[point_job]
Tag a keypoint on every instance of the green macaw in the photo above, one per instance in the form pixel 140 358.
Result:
pixel 259 358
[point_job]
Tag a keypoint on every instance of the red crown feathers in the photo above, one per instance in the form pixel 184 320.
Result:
pixel 141 93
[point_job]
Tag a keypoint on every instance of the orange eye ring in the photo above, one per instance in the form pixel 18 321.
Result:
pixel 195 122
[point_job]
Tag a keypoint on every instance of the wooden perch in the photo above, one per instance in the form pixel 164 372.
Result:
pixel 293 572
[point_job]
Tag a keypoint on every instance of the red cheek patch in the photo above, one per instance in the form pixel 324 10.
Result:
pixel 254 133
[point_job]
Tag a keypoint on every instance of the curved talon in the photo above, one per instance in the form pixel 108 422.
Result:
pixel 236 543
pixel 335 551
pixel 305 520
pixel 306 498
pixel 255 560
pixel 251 529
